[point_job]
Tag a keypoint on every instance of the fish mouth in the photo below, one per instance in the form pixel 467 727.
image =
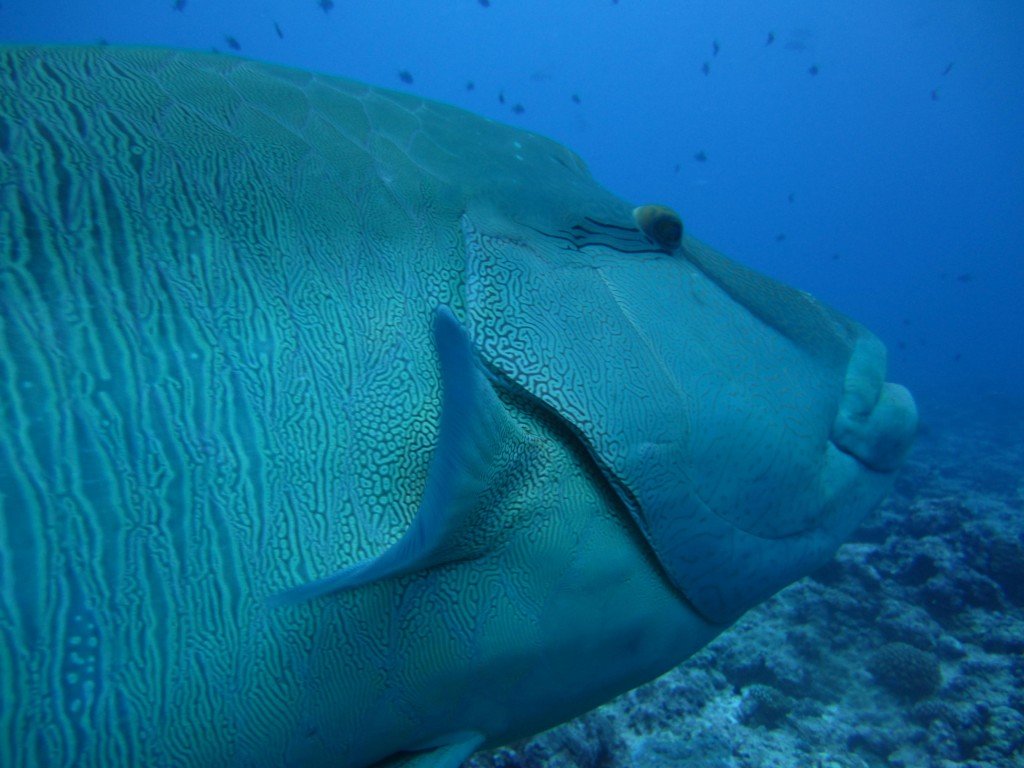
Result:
pixel 877 420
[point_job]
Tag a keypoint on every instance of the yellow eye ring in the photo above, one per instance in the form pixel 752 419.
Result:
pixel 660 224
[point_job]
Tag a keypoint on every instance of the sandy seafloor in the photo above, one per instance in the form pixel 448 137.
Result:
pixel 907 650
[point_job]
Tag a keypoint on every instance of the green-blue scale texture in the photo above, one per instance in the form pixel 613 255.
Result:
pixel 237 526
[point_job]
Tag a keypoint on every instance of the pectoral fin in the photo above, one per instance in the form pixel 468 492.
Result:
pixel 451 752
pixel 480 454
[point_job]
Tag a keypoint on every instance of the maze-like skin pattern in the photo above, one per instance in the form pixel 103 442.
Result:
pixel 218 381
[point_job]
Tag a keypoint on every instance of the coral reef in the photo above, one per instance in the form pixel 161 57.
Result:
pixel 905 670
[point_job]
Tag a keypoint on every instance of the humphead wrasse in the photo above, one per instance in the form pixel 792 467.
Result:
pixel 342 427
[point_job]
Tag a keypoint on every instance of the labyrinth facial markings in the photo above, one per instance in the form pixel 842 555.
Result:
pixel 593 233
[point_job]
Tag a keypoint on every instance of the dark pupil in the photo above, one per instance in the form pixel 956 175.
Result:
pixel 667 231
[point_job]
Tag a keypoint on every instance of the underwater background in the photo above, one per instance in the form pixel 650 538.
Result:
pixel 870 153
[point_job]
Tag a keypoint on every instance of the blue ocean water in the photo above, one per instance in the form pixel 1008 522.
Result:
pixel 869 153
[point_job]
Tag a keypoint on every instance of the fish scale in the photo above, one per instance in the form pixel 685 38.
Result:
pixel 340 427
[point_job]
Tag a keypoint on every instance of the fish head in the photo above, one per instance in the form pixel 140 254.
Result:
pixel 747 427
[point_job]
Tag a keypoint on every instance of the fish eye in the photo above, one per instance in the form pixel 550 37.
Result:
pixel 660 224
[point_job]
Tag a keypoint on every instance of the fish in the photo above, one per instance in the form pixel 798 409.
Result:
pixel 344 428
pixel 405 76
pixel 770 39
pixel 232 43
pixel 278 31
pixel 705 68
pixel 700 156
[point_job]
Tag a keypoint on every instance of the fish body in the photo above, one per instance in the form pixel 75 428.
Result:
pixel 341 427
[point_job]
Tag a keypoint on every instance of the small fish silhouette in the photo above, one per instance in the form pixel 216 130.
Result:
pixel 948 69
pixel 470 85
pixel 575 98
pixel 813 70
pixel 179 5
pixel 701 156
pixel 715 48
pixel 485 3
pixel 280 32
pixel 501 97
pixel 518 109
pixel 405 76
pixel 327 5
pixel 232 43
pixel 705 68
pixel 780 237
pixel 771 38
pixel 791 197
